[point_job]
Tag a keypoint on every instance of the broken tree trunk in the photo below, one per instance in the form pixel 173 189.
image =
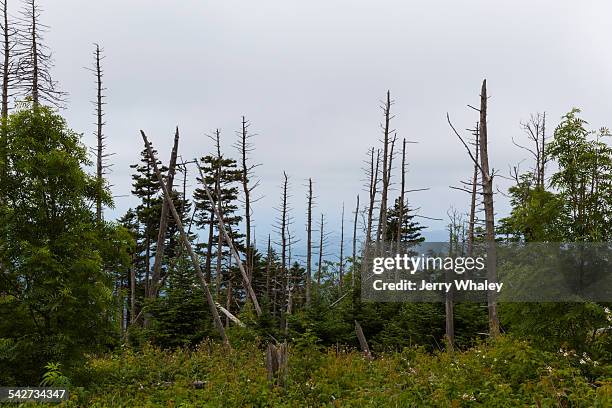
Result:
pixel 185 238
pixel 363 343
pixel 163 222
pixel 276 364
pixel 487 191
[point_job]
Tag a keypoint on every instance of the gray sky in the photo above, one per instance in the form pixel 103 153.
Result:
pixel 310 75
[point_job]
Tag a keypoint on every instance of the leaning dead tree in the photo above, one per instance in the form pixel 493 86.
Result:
pixel 535 129
pixel 224 231
pixel 363 343
pixel 35 61
pixel 487 191
pixel 163 223
pixel 100 151
pixel 186 242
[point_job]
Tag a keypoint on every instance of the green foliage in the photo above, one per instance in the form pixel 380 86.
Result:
pixel 579 210
pixel 506 373
pixel 56 291
pixel 53 376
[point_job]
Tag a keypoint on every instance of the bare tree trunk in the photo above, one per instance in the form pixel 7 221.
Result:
pixel 400 216
pixel 472 222
pixel 448 304
pixel 163 222
pixel 6 67
pixel 187 243
pixel 373 191
pixel 341 264
pixel 283 231
pixel 34 39
pixel 219 213
pixel 228 294
pixel 209 246
pixel 542 169
pixel 363 343
pixel 309 244
pixel 132 292
pixel 99 135
pixel 245 148
pixel 320 251
pixel 355 244
pixel 382 219
pixel 487 190
pixel 268 266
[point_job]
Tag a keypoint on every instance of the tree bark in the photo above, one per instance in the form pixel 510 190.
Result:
pixel 487 189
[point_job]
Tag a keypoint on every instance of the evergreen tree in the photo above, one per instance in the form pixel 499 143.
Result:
pixel 221 176
pixel 410 230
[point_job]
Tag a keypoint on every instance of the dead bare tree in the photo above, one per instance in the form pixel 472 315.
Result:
pixel 373 190
pixel 322 243
pixel 268 267
pixel 354 261
pixel 35 61
pixel 100 151
pixel 9 67
pixel 474 189
pixel 386 168
pixel 454 226
pixel 535 129
pixel 186 242
pixel 163 222
pixel 487 191
pixel 341 257
pixel 282 227
pixel 245 147
pixel 400 216
pixel 309 243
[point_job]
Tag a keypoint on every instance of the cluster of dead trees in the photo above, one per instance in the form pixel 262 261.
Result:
pixel 276 283
pixel 240 271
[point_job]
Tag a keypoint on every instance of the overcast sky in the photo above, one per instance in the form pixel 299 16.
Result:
pixel 310 76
